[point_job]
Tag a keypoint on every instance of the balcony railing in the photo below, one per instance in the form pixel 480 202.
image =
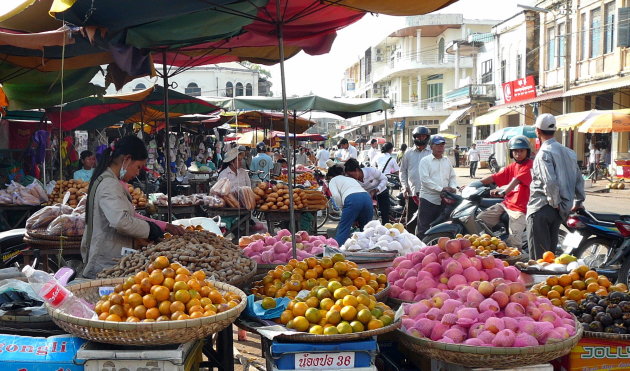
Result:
pixel 469 94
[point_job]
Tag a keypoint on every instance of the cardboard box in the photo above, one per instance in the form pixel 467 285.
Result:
pixel 107 357
pixel 596 354
pixel 39 354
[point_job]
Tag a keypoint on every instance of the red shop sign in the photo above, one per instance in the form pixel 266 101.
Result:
pixel 518 90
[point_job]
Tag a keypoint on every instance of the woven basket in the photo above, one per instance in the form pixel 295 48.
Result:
pixel 142 334
pixel 245 280
pixel 606 335
pixel 384 294
pixel 310 338
pixel 51 243
pixel 40 234
pixel 490 357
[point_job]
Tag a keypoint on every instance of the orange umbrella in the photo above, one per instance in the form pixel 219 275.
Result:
pixel 611 121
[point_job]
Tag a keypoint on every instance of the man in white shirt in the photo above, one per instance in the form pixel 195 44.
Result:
pixel 346 150
pixel 436 176
pixel 473 157
pixel 410 176
pixel 322 156
pixel 373 152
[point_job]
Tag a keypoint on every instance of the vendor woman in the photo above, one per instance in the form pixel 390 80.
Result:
pixel 357 203
pixel 232 170
pixel 111 222
pixel 88 163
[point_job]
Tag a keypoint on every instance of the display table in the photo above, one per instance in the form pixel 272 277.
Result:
pixel 283 216
pixel 47 250
pixel 179 212
pixel 24 212
pixel 242 216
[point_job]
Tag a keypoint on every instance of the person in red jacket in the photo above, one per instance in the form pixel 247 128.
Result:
pixel 517 176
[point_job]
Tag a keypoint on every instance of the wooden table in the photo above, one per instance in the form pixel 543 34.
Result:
pixel 24 212
pixel 275 216
pixel 243 217
pixel 221 355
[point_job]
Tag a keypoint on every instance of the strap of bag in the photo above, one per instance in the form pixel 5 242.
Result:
pixel 387 163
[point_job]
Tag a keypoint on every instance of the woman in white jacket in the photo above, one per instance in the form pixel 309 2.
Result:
pixel 111 221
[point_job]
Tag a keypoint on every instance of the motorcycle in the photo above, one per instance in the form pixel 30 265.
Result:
pixel 493 164
pixel 601 240
pixel 460 214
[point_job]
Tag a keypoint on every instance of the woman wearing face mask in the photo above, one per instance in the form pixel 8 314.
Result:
pixel 111 222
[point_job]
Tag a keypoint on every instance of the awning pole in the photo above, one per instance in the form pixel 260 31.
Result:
pixel 385 125
pixel 285 112
pixel 167 127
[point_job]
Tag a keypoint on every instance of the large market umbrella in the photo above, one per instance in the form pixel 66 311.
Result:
pixel 145 106
pixel 267 120
pixel 570 121
pixel 610 121
pixel 251 138
pixel 508 133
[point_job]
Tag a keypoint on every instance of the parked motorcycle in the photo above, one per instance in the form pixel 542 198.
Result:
pixel 601 240
pixel 493 164
pixel 460 214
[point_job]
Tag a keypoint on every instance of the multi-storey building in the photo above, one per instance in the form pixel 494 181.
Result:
pixel 411 67
pixel 598 74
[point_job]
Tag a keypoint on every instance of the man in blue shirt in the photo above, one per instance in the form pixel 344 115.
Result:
pixel 262 162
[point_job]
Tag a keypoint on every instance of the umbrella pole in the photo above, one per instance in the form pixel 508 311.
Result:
pixel 294 145
pixel 285 112
pixel 167 128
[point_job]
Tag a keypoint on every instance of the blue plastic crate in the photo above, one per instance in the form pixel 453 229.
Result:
pixel 284 353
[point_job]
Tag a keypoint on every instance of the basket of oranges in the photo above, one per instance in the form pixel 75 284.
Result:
pixel 168 305
pixel 575 285
pixel 288 280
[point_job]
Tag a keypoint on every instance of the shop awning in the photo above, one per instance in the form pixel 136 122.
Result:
pixel 453 117
pixel 570 121
pixel 266 120
pixel 599 86
pixel 345 132
pixel 299 137
pixel 492 117
pixel 610 121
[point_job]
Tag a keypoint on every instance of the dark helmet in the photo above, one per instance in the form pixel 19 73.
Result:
pixel 519 142
pixel 342 141
pixel 420 130
pixel 388 146
pixel 261 147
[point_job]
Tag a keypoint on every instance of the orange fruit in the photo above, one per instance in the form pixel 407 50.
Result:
pixel 556 302
pixel 553 294
pixel 374 324
pixel 161 262
pixel 165 307
pixel 152 313
pixel 574 276
pixel 574 294
pixel 300 323
pixel 590 274
pixel 552 280
pixel 199 275
pixel 113 318
pixel 299 309
pixel 140 311
pixel 161 293
pixel 286 316
pixel 592 287
pixel 348 313
pixel 603 281
pixel 333 317
pixel 602 292
pixel 548 256
pixel 139 276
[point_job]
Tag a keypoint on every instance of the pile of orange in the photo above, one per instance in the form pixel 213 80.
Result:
pixel 485 245
pixel 334 309
pixel 548 257
pixel 288 280
pixel 165 292
pixel 575 286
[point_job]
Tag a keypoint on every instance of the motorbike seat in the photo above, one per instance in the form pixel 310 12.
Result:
pixel 604 217
pixel 487 202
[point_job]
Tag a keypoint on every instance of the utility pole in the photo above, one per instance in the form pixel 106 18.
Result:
pixel 566 101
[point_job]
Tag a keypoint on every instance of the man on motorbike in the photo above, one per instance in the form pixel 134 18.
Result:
pixel 436 176
pixel 410 174
pixel 517 176
pixel 557 188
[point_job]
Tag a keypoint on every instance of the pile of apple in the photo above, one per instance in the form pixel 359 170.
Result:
pixel 277 250
pixel 494 314
pixel 447 265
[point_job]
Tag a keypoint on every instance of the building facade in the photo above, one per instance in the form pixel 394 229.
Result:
pixel 411 67
pixel 220 80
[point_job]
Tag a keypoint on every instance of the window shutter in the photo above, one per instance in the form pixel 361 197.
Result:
pixel 623 29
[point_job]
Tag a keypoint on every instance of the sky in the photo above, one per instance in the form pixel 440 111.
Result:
pixel 322 74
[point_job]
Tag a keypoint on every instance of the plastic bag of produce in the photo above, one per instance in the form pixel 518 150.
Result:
pixel 213 201
pixel 44 216
pixel 37 190
pixel 25 197
pixel 6 198
pixel 222 187
pixel 80 209
pixel 67 225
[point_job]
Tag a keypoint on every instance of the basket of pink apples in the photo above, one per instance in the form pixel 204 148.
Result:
pixel 489 324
